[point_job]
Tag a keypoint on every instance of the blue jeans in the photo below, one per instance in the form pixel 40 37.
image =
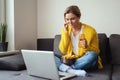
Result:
pixel 89 60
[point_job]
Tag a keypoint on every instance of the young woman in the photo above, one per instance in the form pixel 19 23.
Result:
pixel 79 42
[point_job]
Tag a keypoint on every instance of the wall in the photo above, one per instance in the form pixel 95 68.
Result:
pixel 10 22
pixel 103 15
pixel 2 11
pixel 25 24
pixel 22 24
pixel 31 19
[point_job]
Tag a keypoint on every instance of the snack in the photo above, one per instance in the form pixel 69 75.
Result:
pixel 82 41
pixel 68 61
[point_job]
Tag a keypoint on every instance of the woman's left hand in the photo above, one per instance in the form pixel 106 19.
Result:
pixel 83 43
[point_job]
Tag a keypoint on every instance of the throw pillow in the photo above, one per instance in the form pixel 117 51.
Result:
pixel 13 62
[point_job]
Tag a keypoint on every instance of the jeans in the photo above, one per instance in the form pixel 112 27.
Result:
pixel 89 60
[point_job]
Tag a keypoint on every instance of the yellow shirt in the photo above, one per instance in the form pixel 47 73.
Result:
pixel 91 36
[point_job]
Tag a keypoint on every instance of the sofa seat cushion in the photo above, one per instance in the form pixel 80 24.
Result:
pixel 116 72
pixel 17 75
pixel 13 62
pixel 114 42
pixel 103 74
pixel 25 76
pixel 9 75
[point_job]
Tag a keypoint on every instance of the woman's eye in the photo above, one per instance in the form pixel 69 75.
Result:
pixel 67 19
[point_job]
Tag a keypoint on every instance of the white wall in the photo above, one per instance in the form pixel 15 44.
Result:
pixel 21 17
pixel 2 11
pixel 103 15
pixel 10 22
pixel 25 12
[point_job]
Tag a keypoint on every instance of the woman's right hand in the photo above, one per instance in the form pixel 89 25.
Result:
pixel 66 26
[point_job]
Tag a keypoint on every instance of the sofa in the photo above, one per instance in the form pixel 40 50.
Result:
pixel 12 67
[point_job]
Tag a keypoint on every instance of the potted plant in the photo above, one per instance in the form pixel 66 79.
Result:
pixel 3 43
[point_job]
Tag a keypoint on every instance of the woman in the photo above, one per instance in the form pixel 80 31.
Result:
pixel 78 42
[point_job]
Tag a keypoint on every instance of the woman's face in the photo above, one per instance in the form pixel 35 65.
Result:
pixel 71 19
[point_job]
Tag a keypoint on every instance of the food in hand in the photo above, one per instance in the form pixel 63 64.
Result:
pixel 82 41
pixel 67 60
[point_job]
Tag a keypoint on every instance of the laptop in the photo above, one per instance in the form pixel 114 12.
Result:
pixel 42 64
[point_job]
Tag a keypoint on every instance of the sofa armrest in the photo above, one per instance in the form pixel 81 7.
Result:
pixel 7 53
pixel 114 42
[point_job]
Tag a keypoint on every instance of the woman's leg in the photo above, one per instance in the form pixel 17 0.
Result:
pixel 61 66
pixel 58 61
pixel 89 60
pixel 66 68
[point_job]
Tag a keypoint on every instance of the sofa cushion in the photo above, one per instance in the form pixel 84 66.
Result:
pixel 116 72
pixel 56 45
pixel 114 42
pixel 103 45
pixel 10 75
pixel 99 74
pixel 13 62
pixel 45 44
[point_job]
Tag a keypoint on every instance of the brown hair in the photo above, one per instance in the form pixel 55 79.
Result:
pixel 73 9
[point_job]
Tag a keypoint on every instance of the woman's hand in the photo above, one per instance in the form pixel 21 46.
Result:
pixel 83 43
pixel 69 60
pixel 68 56
pixel 66 26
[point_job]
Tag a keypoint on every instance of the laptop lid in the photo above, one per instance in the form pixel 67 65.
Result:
pixel 42 64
